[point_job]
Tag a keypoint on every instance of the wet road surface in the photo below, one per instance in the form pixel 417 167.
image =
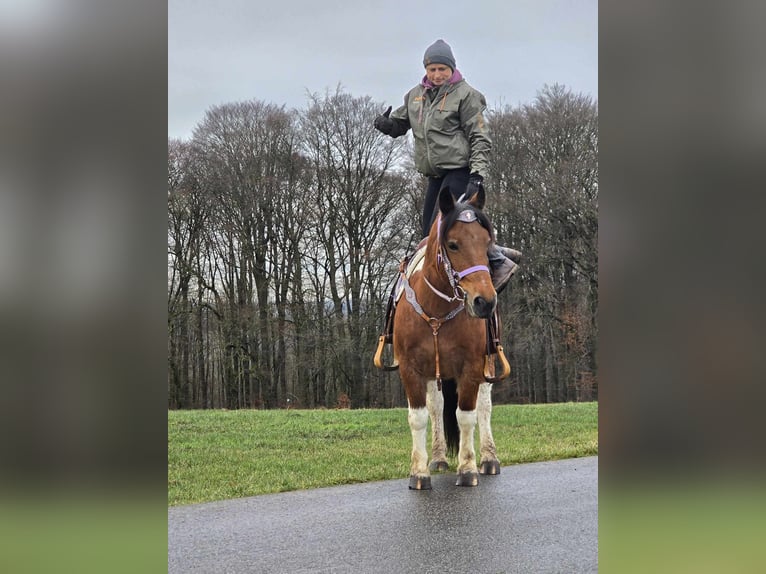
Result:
pixel 539 517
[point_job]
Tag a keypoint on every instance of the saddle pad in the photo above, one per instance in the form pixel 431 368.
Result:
pixel 415 264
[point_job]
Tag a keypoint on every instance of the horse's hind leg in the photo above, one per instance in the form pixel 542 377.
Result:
pixel 420 479
pixel 489 463
pixel 435 405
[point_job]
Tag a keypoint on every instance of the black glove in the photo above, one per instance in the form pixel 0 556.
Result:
pixel 383 123
pixel 474 185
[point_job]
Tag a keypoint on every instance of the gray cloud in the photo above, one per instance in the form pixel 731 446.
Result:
pixel 233 50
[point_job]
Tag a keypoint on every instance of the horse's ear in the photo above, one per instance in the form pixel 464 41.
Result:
pixel 446 201
pixel 478 198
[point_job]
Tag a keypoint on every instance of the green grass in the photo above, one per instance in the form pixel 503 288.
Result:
pixel 217 455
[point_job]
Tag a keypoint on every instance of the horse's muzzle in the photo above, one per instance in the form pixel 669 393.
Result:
pixel 480 307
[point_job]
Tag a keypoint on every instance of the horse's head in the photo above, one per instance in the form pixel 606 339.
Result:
pixel 465 235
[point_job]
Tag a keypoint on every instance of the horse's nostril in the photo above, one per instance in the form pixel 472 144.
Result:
pixel 483 307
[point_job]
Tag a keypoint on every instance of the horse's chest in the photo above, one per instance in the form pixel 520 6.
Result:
pixel 457 346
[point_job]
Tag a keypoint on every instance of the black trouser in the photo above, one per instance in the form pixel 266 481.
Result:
pixel 457 182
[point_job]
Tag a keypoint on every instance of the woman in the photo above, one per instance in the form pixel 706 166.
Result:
pixel 451 141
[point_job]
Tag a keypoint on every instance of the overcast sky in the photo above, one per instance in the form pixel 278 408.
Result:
pixel 222 51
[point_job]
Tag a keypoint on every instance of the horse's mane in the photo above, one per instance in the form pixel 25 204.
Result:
pixel 449 220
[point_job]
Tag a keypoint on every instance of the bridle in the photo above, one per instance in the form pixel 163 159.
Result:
pixel 454 277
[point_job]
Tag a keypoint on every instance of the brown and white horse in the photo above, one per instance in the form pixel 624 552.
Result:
pixel 440 344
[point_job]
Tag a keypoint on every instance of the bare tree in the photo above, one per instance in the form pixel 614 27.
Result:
pixel 248 147
pixel 188 215
pixel 545 171
pixel 355 200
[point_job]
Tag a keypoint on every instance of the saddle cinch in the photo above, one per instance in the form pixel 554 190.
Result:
pixel 494 348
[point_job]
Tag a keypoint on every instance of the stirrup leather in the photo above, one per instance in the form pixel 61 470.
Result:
pixel 408 266
pixel 387 337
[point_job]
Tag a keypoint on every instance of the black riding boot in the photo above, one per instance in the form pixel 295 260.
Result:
pixel 503 261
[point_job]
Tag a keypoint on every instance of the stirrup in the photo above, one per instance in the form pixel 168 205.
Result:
pixel 378 360
pixel 489 366
pixel 495 352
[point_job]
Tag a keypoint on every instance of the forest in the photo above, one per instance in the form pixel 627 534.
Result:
pixel 285 232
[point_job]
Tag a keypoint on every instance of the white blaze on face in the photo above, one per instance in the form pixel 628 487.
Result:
pixel 418 419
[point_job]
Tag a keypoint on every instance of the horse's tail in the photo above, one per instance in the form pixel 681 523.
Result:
pixel 449 416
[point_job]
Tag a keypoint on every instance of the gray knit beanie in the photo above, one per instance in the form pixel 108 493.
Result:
pixel 439 53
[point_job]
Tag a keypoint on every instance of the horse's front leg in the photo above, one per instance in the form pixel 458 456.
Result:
pixel 420 479
pixel 467 473
pixel 435 405
pixel 489 462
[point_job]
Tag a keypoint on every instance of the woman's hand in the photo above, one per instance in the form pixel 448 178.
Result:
pixel 383 123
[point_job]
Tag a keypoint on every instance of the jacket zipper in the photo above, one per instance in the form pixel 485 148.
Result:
pixel 425 124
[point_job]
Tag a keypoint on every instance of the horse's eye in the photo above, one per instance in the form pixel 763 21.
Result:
pixel 452 245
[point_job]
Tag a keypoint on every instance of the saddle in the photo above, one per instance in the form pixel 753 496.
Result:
pixel 494 351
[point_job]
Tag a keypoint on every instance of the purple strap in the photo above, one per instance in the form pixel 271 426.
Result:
pixel 473 269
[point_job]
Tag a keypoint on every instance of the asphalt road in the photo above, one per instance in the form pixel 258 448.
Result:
pixel 539 517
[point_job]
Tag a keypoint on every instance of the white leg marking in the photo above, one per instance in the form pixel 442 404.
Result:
pixel 466 456
pixel 418 419
pixel 484 409
pixel 435 405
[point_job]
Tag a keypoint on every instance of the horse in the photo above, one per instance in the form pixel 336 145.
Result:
pixel 439 342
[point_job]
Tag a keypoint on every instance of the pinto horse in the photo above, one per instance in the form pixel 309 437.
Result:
pixel 440 343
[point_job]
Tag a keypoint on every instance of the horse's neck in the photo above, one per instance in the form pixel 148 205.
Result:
pixel 431 266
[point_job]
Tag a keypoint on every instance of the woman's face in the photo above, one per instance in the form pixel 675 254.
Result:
pixel 438 74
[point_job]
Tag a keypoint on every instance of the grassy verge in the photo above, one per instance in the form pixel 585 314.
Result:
pixel 217 455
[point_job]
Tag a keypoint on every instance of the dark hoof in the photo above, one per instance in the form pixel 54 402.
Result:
pixel 438 466
pixel 490 467
pixel 420 483
pixel 467 479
